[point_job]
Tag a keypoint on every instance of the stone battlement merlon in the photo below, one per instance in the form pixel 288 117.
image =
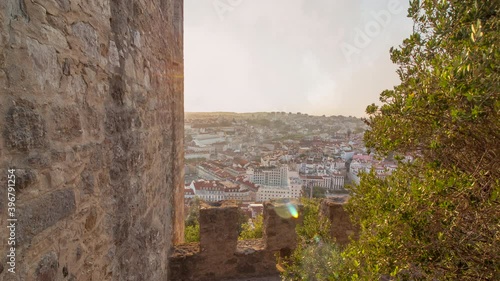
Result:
pixel 220 255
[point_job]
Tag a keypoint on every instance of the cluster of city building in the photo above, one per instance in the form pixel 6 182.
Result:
pixel 257 158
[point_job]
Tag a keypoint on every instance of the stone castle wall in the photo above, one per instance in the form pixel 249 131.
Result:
pixel 341 229
pixel 221 256
pixel 91 110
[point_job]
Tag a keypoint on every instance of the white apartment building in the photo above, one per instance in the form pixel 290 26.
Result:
pixel 208 139
pixel 321 181
pixel 271 192
pixel 268 193
pixel 189 155
pixel 338 181
pixel 208 190
pixel 295 188
pixel 216 191
pixel 269 176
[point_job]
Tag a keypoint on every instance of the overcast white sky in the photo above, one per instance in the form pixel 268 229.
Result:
pixel 311 56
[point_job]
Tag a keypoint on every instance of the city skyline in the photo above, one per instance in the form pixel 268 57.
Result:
pixel 315 57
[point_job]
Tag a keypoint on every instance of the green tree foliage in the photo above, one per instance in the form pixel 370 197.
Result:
pixel 316 256
pixel 192 222
pixel 437 218
pixel 319 192
pixel 192 233
pixel 447 104
pixel 424 223
pixel 193 212
pixel 252 229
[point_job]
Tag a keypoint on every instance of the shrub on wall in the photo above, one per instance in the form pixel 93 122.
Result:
pixel 316 256
pixel 192 233
pixel 252 229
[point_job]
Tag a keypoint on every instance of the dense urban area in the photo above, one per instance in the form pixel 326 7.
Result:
pixel 254 157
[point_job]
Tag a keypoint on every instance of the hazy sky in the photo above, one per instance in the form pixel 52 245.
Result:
pixel 311 56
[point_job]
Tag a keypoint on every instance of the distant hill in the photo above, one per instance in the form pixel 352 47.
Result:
pixel 216 114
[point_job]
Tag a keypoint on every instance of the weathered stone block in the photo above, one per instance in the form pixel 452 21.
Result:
pixel 24 127
pixel 91 220
pixel 43 212
pixel 78 88
pixel 39 161
pixel 96 158
pixel 119 121
pixel 113 56
pixel 64 5
pixel 87 36
pixel 218 229
pixel 46 70
pixel 57 156
pixel 54 7
pixel 47 268
pixel 17 10
pixel 54 36
pixel 67 123
pixel 58 22
pixel 279 233
pixel 25 178
pixel 342 228
pixel 87 182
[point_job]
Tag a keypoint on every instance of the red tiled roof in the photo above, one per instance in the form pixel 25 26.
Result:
pixel 199 185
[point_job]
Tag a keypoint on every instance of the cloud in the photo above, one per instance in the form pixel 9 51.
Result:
pixel 268 55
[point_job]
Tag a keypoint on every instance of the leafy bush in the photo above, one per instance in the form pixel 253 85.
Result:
pixel 423 223
pixel 192 222
pixel 192 233
pixel 316 256
pixel 438 218
pixel 252 229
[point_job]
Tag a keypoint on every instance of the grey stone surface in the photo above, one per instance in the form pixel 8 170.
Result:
pixel 47 268
pixel 100 170
pixel 25 128
pixel 43 212
pixel 67 123
pixel 87 36
pixel 45 69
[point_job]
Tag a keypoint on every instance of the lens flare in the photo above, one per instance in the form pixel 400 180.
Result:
pixel 292 209
pixel 286 209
